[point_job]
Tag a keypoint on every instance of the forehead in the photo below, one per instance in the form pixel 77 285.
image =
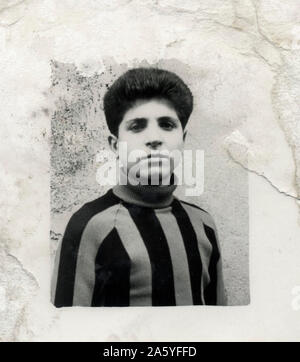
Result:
pixel 154 108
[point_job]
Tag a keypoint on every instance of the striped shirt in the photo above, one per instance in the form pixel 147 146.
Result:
pixel 119 252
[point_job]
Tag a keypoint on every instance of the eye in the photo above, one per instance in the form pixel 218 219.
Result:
pixel 136 125
pixel 167 124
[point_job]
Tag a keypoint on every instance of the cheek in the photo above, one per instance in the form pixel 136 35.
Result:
pixel 133 143
pixel 176 142
pixel 129 138
pixel 131 149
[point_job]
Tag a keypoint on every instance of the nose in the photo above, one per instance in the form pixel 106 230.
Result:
pixel 154 137
pixel 154 145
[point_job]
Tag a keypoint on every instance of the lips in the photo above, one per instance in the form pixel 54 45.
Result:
pixel 154 157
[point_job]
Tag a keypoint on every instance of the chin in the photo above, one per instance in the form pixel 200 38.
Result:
pixel 154 177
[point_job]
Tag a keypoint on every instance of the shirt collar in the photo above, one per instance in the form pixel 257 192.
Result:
pixel 146 195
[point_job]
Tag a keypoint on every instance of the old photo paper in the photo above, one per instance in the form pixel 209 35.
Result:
pixel 205 245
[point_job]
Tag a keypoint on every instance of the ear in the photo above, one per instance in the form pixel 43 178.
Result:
pixel 113 143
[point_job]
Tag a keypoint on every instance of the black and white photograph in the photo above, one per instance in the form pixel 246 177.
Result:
pixel 149 174
pixel 138 244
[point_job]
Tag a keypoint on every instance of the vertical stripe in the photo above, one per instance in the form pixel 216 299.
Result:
pixel 221 293
pixel 210 292
pixel 55 273
pixel 112 270
pixel 94 233
pixel 140 273
pixel 70 246
pixel 192 250
pixel 196 216
pixel 183 291
pixel 163 293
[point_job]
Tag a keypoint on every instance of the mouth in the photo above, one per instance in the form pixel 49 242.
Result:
pixel 154 157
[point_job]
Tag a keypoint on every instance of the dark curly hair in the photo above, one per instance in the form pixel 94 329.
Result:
pixel 146 83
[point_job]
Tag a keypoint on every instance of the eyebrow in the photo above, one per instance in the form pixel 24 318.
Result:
pixel 143 119
pixel 167 118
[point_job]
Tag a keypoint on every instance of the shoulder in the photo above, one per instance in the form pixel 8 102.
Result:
pixel 197 211
pixel 87 212
pixel 197 214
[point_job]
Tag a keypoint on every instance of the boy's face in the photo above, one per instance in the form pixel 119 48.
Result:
pixel 150 129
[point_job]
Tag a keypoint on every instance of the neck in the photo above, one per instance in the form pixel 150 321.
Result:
pixel 146 195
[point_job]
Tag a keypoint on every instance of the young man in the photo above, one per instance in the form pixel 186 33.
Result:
pixel 138 245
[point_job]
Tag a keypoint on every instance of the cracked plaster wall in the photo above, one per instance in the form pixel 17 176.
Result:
pixel 248 55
